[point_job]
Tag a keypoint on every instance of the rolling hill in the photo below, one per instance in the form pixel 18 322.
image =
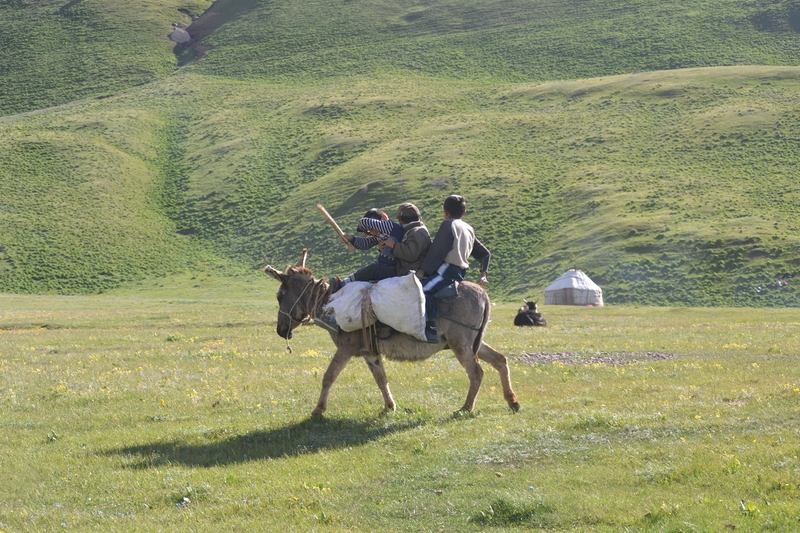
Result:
pixel 652 145
pixel 56 52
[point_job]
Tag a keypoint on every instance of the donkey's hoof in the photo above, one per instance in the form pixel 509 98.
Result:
pixel 515 407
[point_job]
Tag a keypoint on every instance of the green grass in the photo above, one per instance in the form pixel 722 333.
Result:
pixel 582 134
pixel 498 40
pixel 58 51
pixel 117 407
pixel 79 210
pixel 668 187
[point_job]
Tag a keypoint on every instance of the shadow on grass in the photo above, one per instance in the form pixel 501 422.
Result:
pixel 301 438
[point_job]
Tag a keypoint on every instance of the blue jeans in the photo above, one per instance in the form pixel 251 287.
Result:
pixel 444 276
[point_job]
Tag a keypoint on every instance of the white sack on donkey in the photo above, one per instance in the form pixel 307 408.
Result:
pixel 397 302
pixel 346 304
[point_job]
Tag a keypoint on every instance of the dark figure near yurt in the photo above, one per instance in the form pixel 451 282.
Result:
pixel 529 315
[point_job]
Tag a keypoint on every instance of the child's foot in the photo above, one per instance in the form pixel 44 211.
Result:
pixel 431 335
pixel 336 284
pixel 327 323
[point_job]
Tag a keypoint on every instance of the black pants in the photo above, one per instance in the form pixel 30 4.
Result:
pixel 374 272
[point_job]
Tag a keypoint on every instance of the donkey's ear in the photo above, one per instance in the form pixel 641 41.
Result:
pixel 271 272
pixel 303 257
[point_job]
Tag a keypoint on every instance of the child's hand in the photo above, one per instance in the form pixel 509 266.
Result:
pixel 390 242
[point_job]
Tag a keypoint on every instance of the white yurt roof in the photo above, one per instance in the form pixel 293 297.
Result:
pixel 180 36
pixel 573 287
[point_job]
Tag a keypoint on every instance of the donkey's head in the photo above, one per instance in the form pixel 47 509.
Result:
pixel 299 295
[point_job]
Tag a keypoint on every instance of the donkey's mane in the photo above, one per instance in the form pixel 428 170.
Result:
pixel 298 270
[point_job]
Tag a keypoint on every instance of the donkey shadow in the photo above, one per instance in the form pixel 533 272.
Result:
pixel 301 438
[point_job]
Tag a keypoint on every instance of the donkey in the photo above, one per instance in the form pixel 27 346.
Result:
pixel 301 297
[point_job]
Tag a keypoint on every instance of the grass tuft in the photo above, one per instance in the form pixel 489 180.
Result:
pixel 502 513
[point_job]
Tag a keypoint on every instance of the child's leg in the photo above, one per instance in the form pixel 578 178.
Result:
pixel 373 272
pixel 444 276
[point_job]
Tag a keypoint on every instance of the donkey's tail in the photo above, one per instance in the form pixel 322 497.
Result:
pixel 487 306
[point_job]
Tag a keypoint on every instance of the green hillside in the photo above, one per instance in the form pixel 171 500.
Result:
pixel 498 40
pixel 54 52
pixel 666 186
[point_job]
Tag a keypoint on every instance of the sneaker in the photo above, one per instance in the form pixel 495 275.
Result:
pixel 336 284
pixel 431 335
pixel 328 323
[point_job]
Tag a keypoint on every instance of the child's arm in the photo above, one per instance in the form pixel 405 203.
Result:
pixel 442 244
pixel 410 250
pixel 370 225
pixel 483 255
pixel 364 243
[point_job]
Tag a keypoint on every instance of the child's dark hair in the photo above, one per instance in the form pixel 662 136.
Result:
pixel 375 214
pixel 407 213
pixel 455 205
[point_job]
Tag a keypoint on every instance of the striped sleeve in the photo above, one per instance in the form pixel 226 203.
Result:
pixel 365 243
pixel 370 224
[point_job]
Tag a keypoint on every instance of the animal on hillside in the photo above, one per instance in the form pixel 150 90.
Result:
pixel 301 298
pixel 529 315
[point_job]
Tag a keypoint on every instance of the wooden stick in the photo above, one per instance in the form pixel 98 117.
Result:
pixel 336 227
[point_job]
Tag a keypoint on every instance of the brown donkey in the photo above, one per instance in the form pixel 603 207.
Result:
pixel 301 297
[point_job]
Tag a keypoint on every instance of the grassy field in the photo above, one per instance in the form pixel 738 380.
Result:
pixel 651 144
pixel 177 406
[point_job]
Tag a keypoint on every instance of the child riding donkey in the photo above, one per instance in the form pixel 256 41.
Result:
pixel 411 250
pixel 448 258
pixel 377 227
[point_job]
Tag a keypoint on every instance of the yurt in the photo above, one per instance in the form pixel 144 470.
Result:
pixel 180 36
pixel 573 287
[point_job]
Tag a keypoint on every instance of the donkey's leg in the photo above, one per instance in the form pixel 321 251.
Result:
pixel 467 358
pixel 379 373
pixel 499 361
pixel 340 359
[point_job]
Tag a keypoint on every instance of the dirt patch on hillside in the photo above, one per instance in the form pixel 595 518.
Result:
pixel 203 26
pixel 602 358
pixel 200 28
pixel 220 12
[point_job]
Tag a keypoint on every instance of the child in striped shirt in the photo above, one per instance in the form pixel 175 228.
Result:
pixel 377 227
